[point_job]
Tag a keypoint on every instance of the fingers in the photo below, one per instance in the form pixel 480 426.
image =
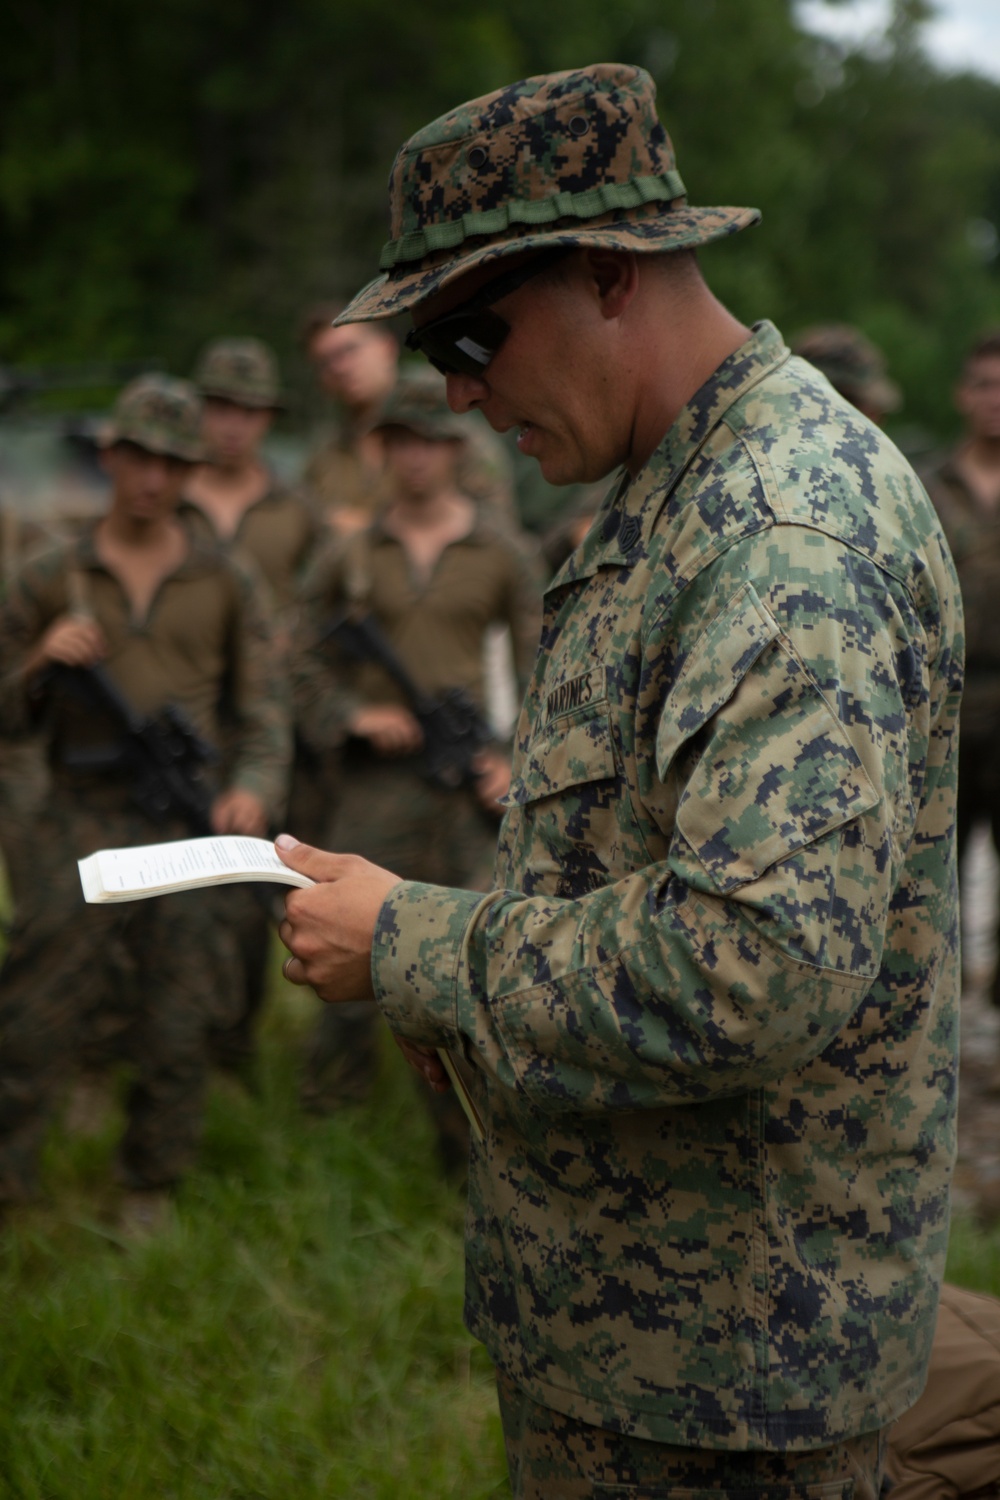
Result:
pixel 425 1061
pixel 320 864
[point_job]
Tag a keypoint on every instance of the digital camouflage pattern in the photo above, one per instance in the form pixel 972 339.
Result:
pixel 852 364
pixel 713 1000
pixel 574 158
pixel 552 1456
pixel 159 414
pixel 142 981
pixel 244 371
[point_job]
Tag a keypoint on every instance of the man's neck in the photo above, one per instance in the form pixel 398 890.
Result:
pixel 225 492
pixel 444 510
pixel 138 534
pixel 696 337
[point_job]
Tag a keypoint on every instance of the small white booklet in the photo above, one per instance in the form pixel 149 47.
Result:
pixel 184 864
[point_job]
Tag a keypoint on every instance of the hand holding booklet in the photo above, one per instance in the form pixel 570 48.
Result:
pixel 185 864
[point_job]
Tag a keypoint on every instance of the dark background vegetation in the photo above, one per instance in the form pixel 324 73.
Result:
pixel 176 170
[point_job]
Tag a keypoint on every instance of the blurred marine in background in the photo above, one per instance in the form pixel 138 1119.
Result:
pixel 234 501
pixel 175 628
pixel 427 579
pixel 965 487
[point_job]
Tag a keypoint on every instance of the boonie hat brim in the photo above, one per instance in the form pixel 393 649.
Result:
pixel 681 228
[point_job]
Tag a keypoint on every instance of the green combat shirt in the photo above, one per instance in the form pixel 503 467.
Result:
pixel 278 532
pixel 205 640
pixel 436 626
pixel 713 999
pixel 974 538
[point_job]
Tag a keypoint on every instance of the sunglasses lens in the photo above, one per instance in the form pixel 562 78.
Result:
pixel 462 343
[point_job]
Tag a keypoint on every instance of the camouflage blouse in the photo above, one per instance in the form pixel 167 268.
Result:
pixel 713 998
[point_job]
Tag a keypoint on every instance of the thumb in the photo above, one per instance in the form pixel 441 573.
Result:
pixel 318 864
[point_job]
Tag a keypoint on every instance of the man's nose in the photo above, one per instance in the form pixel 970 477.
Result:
pixel 465 391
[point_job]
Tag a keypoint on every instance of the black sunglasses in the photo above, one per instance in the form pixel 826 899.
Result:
pixel 465 340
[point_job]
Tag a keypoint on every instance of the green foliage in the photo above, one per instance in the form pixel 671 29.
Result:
pixel 172 171
pixel 296 1330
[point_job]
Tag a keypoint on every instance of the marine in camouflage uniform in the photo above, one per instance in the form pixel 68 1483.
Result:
pixel 23 770
pixel 62 979
pixel 274 530
pixel 712 999
pixel 965 488
pixel 391 813
pixel 358 367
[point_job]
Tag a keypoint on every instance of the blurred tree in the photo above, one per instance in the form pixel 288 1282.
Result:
pixel 171 171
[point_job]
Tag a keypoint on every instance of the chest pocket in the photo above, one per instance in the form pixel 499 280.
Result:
pixel 563 830
pixel 764 765
pixel 575 750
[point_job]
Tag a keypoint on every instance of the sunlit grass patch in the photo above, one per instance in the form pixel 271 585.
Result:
pixel 294 1330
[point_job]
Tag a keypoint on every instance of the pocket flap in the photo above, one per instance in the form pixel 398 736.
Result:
pixel 573 745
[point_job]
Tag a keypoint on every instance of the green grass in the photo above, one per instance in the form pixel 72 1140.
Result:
pixel 294 1332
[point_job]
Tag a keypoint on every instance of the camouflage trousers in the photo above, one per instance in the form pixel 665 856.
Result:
pixel 555 1457
pixel 139 980
pixel 24 788
pixel 391 816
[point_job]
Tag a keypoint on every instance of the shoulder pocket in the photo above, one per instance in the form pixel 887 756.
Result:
pixel 775 769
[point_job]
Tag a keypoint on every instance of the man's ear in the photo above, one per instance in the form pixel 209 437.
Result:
pixel 615 277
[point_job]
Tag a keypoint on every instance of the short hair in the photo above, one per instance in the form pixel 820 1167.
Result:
pixel 986 346
pixel 317 318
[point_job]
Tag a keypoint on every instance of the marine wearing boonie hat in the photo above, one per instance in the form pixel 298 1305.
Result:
pixel 562 159
pixel 244 371
pixel 419 404
pixel 851 363
pixel 161 415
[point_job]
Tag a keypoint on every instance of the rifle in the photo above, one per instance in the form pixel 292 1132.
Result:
pixel 454 729
pixel 164 757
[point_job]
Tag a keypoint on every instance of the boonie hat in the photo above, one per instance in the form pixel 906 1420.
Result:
pixel 419 404
pixel 574 159
pixel 243 371
pixel 851 363
pixel 159 414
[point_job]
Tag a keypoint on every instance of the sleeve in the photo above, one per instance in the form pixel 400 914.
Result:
pixel 734 959
pixel 323 699
pixel 262 749
pixel 37 597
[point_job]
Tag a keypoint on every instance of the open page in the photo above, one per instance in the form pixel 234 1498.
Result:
pixel 182 865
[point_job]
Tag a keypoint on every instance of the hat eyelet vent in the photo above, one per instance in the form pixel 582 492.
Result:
pixel 477 158
pixel 579 125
